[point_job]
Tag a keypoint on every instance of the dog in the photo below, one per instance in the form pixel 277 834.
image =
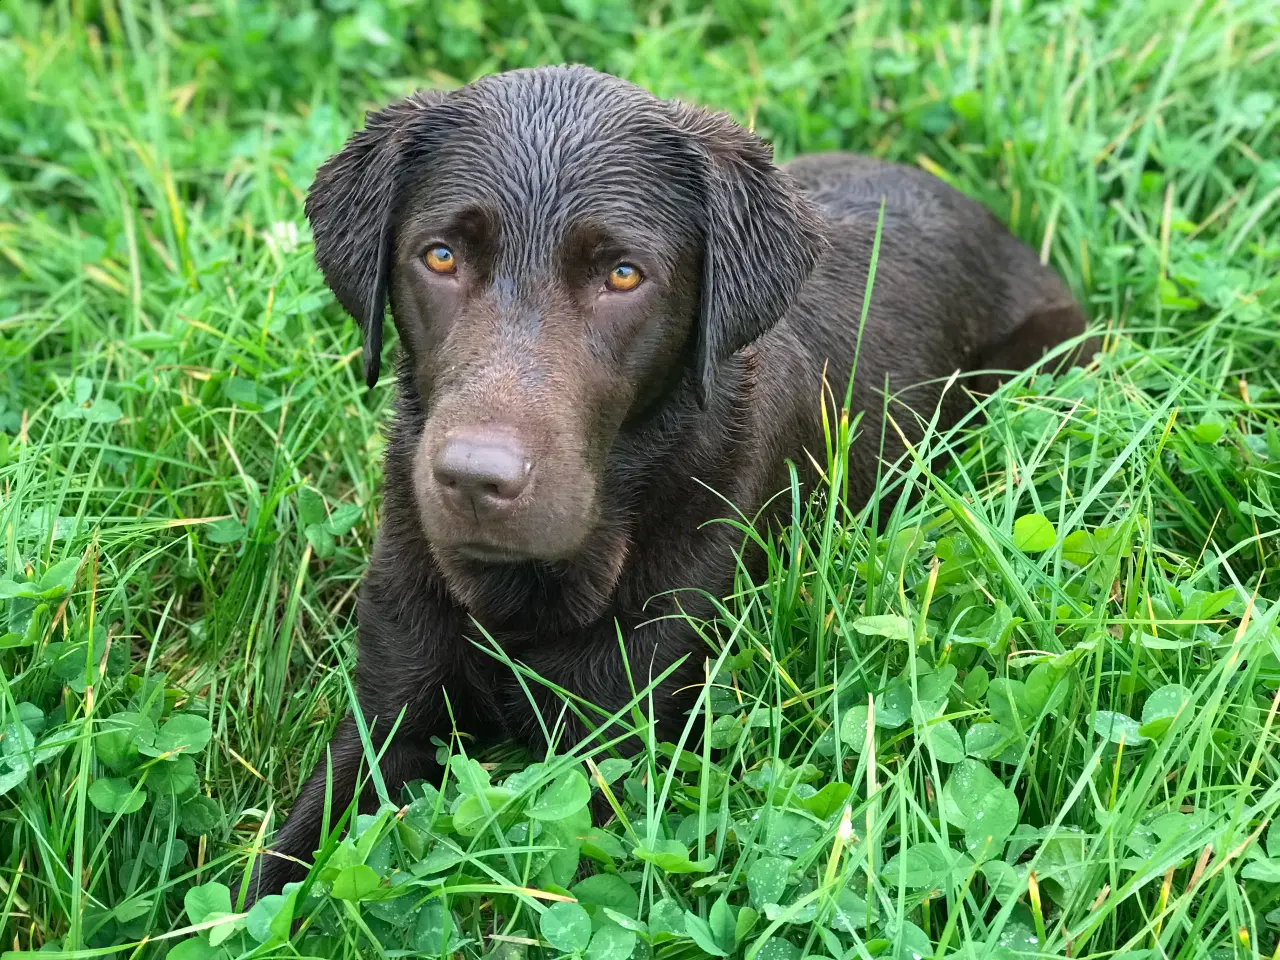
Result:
pixel 615 313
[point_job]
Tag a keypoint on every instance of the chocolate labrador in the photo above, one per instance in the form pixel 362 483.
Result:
pixel 615 313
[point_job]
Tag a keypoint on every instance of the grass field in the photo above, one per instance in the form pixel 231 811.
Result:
pixel 1038 716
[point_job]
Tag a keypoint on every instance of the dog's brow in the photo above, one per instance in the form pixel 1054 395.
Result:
pixel 476 225
pixel 593 238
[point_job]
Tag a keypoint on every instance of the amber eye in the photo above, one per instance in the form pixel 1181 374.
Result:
pixel 623 277
pixel 440 260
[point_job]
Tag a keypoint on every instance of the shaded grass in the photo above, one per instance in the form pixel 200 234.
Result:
pixel 181 412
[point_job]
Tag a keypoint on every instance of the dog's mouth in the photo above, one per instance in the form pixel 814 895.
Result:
pixel 488 553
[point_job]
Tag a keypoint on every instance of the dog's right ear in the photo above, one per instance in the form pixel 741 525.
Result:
pixel 351 207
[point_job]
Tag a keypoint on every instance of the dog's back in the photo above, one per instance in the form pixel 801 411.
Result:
pixel 953 290
pixel 946 229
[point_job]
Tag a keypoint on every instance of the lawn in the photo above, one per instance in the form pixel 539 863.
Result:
pixel 1036 715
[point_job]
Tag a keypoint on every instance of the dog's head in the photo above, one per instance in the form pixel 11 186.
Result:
pixel 562 252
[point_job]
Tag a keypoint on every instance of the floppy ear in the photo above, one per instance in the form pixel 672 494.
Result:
pixel 762 239
pixel 350 207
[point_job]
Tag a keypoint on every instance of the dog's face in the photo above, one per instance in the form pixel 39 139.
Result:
pixel 563 253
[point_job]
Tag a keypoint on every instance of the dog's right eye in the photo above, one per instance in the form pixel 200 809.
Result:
pixel 623 277
pixel 440 260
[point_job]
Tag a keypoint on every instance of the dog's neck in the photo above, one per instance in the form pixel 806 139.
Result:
pixel 682 439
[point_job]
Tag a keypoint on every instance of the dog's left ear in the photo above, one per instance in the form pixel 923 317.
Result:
pixel 762 238
pixel 351 207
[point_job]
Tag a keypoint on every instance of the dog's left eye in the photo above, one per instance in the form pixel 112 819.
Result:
pixel 623 277
pixel 440 260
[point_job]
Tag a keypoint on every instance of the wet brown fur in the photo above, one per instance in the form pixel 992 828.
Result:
pixel 643 414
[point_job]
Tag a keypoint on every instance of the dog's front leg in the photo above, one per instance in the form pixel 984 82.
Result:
pixel 408 640
pixel 408 756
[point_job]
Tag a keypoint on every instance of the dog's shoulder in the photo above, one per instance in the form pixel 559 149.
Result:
pixel 848 185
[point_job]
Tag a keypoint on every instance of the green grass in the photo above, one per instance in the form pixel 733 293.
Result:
pixel 1037 716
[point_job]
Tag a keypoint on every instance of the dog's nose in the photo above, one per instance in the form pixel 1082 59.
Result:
pixel 482 470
